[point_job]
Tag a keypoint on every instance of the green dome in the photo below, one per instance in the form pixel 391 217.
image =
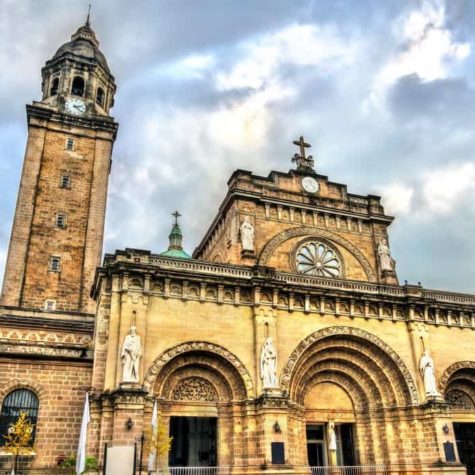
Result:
pixel 180 253
pixel 175 249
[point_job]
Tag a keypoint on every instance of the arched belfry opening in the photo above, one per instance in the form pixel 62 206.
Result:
pixel 77 88
pixel 346 380
pixel 196 391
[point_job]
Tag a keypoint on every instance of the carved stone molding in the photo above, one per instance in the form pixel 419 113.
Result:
pixel 451 370
pixel 305 344
pixel 460 399
pixel 278 239
pixel 52 351
pixel 171 353
pixel 194 389
pixel 35 336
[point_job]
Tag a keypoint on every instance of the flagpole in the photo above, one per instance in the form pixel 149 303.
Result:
pixel 82 445
pixel 153 435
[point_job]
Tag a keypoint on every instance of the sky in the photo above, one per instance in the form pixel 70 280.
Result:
pixel 383 90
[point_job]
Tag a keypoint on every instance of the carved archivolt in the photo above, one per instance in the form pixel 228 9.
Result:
pixel 199 346
pixel 278 239
pixel 194 389
pixel 451 370
pixel 27 336
pixel 384 360
pixel 460 399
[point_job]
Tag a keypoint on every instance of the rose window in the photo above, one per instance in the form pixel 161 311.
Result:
pixel 317 259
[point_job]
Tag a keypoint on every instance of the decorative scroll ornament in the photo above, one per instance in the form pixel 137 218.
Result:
pixel 460 399
pixel 317 259
pixel 194 389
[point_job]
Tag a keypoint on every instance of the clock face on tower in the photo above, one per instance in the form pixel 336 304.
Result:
pixel 309 184
pixel 75 106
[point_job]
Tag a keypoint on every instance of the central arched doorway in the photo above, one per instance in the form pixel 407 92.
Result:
pixel 200 389
pixel 354 390
pixel 330 419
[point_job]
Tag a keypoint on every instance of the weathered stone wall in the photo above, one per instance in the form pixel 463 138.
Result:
pixel 28 281
pixel 60 405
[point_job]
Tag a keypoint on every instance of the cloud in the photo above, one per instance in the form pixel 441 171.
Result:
pixel 444 190
pixel 300 45
pixel 433 193
pixel 427 48
pixel 397 198
pixel 234 90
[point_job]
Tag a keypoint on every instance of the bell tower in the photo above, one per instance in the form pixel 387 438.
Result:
pixel 58 229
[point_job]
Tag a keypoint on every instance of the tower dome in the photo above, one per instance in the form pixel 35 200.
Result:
pixel 84 44
pixel 78 73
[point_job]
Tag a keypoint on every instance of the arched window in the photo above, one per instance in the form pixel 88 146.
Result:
pixel 20 400
pixel 100 96
pixel 54 87
pixel 78 86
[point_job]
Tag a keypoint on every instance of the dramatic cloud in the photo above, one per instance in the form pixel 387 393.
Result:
pixel 383 91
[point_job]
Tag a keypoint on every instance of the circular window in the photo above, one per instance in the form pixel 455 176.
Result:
pixel 317 259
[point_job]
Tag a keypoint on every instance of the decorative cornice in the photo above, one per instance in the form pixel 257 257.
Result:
pixel 94 122
pixel 189 280
pixel 43 323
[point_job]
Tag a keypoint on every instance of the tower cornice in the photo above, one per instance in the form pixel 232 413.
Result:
pixel 38 111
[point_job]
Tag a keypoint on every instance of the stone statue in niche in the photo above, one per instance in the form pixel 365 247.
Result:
pixel 385 259
pixel 131 353
pixel 247 235
pixel 331 436
pixel 426 368
pixel 269 364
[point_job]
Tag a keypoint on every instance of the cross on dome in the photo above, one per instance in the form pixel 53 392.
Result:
pixel 177 215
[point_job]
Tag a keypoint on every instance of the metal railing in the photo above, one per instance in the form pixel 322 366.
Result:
pixel 194 471
pixel 350 470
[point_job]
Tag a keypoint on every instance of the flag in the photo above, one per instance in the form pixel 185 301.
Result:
pixel 81 455
pixel 153 437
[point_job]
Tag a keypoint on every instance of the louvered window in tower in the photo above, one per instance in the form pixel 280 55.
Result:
pixel 78 86
pixel 100 96
pixel 54 87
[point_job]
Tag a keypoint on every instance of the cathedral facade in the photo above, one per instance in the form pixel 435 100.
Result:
pixel 285 343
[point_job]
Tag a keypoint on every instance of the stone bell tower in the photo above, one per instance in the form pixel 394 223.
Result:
pixel 57 234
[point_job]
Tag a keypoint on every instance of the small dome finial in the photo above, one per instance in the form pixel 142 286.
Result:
pixel 177 215
pixel 175 248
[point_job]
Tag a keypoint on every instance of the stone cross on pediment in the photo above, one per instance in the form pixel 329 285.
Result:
pixel 303 163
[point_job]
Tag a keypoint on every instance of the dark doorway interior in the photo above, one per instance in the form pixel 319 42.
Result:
pixel 347 445
pixel 194 442
pixel 465 437
pixel 316 446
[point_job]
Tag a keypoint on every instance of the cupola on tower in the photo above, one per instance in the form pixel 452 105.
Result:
pixel 58 229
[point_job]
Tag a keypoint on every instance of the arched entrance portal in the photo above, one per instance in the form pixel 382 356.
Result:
pixel 354 389
pixel 458 386
pixel 200 388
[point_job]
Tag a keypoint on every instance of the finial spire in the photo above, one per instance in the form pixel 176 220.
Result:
pixel 177 215
pixel 175 248
pixel 303 163
pixel 88 15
